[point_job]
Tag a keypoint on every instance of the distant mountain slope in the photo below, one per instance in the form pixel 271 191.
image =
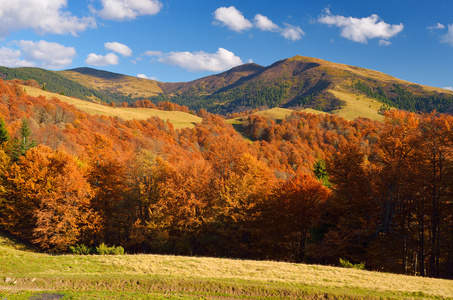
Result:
pixel 57 83
pixel 297 82
pixel 303 82
pixel 49 80
pixel 179 119
pixel 114 83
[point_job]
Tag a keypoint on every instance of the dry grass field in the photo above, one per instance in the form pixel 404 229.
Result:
pixel 24 274
pixel 336 68
pixel 357 106
pixel 177 118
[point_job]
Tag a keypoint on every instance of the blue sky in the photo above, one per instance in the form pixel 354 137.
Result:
pixel 182 40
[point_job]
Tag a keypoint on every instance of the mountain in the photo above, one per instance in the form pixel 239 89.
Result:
pixel 62 83
pixel 303 82
pixel 114 83
pixel 298 82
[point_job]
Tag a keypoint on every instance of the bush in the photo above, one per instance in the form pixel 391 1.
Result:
pixel 346 264
pixel 102 249
pixel 80 249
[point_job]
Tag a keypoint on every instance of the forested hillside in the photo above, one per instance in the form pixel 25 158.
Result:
pixel 309 188
pixel 56 83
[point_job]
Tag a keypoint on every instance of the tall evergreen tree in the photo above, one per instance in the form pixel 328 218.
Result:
pixel 319 169
pixel 22 144
pixel 4 134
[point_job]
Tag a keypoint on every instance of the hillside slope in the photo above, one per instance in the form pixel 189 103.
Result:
pixel 298 83
pixel 179 119
pixel 303 82
pixel 136 276
pixel 132 87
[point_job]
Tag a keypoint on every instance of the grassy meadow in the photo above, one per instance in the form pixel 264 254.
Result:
pixel 30 275
pixel 357 105
pixel 179 119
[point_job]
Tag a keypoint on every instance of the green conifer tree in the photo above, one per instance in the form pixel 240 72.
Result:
pixel 319 169
pixel 4 134
pixel 22 144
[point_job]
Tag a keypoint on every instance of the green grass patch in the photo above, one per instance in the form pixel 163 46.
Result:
pixel 25 274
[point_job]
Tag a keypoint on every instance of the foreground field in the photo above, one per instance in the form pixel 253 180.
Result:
pixel 179 119
pixel 28 275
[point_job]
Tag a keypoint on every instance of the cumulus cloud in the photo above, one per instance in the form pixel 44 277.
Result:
pixel 48 55
pixel 153 53
pixel 448 88
pixel 37 54
pixel 102 60
pixel 384 43
pixel 448 38
pixel 43 16
pixel 263 23
pixel 292 32
pixel 361 30
pixel 119 10
pixel 234 20
pixel 119 48
pixel 202 61
pixel 12 58
pixel 437 26
pixel 146 77
pixel 231 18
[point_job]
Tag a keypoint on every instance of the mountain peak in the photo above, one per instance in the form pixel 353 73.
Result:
pixel 249 67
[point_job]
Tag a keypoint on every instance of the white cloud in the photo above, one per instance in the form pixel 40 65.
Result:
pixel 384 43
pixel 102 60
pixel 153 53
pixel 43 16
pixel 232 18
pixel 202 61
pixel 119 48
pixel 146 77
pixel 361 30
pixel 448 88
pixel 48 55
pixel 11 58
pixel 263 23
pixel 448 38
pixel 437 26
pixel 119 10
pixel 291 32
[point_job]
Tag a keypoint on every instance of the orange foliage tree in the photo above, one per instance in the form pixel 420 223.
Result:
pixel 48 199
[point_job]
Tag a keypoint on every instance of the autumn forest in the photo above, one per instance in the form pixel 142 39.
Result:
pixel 310 188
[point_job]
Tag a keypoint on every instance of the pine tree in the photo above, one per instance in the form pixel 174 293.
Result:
pixel 23 144
pixel 4 134
pixel 319 169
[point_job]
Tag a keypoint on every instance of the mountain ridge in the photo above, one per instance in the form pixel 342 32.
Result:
pixel 297 82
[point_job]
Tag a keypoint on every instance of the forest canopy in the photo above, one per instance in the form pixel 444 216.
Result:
pixel 310 188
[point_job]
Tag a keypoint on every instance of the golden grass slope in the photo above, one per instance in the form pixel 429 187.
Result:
pixel 127 276
pixel 131 86
pixel 339 69
pixel 177 118
pixel 357 105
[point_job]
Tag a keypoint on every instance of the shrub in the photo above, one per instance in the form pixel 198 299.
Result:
pixel 80 249
pixel 346 264
pixel 103 249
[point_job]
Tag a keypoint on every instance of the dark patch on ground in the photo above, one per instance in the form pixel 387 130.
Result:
pixel 46 296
